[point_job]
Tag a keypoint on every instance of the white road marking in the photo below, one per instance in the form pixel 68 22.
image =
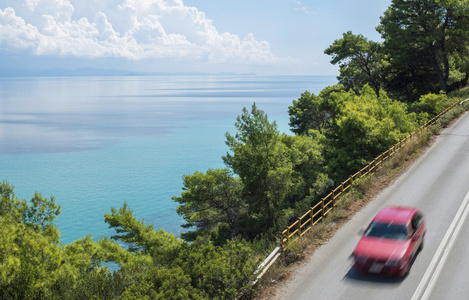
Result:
pixel 428 281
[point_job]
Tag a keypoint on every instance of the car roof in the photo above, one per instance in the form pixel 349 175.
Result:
pixel 395 214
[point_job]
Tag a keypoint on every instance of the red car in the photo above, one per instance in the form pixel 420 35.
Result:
pixel 390 242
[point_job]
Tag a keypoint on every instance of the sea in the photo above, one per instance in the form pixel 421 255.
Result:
pixel 95 143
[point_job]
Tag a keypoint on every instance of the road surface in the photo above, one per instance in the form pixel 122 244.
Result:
pixel 438 184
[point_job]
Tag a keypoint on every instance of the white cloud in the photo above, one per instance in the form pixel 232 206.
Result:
pixel 131 29
pixel 15 33
pixel 302 8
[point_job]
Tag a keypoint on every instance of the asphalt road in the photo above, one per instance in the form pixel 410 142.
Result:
pixel 438 184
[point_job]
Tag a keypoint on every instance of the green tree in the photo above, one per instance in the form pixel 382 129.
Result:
pixel 211 203
pixel 33 263
pixel 164 267
pixel 224 272
pixel 309 176
pixel 29 262
pixel 363 127
pixel 39 216
pixel 97 283
pixel 144 280
pixel 311 114
pixel 429 106
pixel 30 256
pixel 201 271
pixel 361 62
pixel 162 246
pixel 307 113
pixel 260 160
pixel 279 175
pixel 424 39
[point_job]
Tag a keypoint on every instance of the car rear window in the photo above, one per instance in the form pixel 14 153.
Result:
pixel 387 231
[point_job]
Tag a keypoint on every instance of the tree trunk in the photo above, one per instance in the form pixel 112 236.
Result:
pixel 442 78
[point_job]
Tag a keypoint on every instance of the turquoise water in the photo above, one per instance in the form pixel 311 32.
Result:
pixel 97 142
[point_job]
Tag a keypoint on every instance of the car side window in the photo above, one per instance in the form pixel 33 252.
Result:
pixel 416 222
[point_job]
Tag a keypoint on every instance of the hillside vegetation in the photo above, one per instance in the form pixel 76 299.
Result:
pixel 234 216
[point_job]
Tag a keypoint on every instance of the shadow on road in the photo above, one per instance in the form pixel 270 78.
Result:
pixel 352 274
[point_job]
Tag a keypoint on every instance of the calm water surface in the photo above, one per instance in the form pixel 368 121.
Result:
pixel 97 142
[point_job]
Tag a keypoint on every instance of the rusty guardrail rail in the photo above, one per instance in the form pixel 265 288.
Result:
pixel 326 204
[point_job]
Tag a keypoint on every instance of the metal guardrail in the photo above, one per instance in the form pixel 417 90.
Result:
pixel 265 265
pixel 326 204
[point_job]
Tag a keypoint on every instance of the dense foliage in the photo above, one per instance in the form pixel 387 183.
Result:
pixel 269 177
pixel 361 61
pixel 427 43
pixel 424 50
pixel 233 215
pixel 156 265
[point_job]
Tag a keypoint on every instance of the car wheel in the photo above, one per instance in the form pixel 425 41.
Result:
pixel 421 245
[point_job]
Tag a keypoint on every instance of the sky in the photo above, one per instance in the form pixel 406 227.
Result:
pixel 265 37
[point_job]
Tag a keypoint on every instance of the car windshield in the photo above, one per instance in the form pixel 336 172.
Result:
pixel 387 231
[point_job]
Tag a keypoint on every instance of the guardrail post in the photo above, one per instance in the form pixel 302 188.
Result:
pixel 311 213
pixel 299 227
pixel 322 208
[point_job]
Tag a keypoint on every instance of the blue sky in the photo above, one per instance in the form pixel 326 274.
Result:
pixel 266 37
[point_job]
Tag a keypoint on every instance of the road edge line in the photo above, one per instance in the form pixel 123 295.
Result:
pixel 429 278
